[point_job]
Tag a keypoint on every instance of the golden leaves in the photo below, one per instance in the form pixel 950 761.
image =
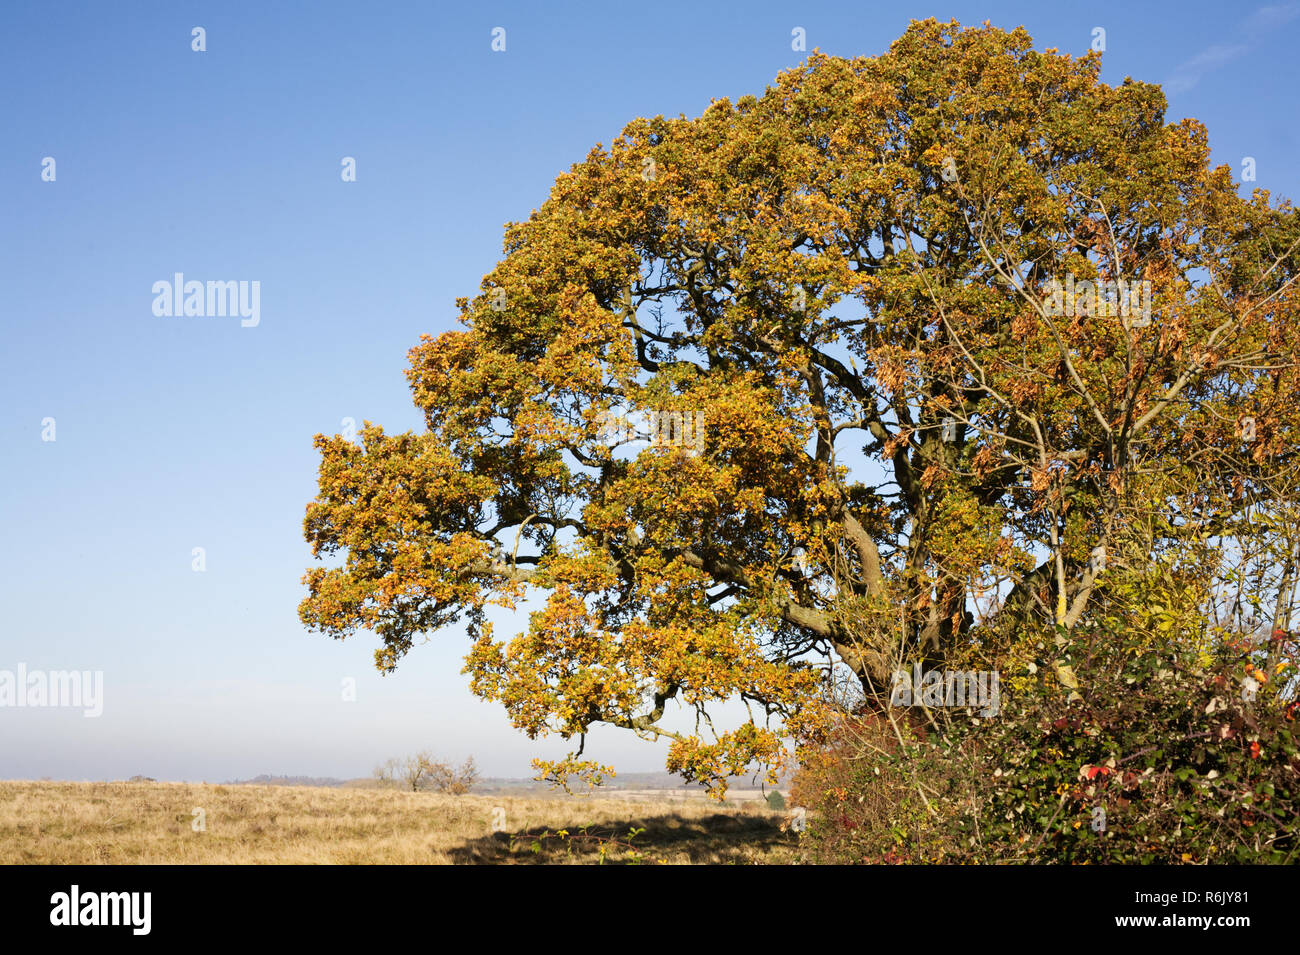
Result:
pixel 733 265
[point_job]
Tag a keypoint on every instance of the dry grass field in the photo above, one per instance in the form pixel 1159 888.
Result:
pixel 126 822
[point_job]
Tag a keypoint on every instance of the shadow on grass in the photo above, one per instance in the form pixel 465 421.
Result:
pixel 716 839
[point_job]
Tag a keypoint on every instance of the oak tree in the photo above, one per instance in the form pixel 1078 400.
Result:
pixel 955 322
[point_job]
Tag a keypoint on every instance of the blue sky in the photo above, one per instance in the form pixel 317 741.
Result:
pixel 176 433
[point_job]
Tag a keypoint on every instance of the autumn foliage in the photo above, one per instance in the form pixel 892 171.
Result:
pixel 909 456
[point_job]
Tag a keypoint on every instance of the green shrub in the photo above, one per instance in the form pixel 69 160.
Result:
pixel 1150 757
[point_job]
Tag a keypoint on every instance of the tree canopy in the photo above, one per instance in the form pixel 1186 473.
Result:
pixel 979 347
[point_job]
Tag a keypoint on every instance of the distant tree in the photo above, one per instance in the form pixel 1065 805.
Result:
pixel 421 772
pixel 455 781
pixel 386 774
pixel 416 771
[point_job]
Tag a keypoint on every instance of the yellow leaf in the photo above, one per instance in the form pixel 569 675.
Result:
pixel 1065 673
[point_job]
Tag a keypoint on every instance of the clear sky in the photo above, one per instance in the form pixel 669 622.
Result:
pixel 177 433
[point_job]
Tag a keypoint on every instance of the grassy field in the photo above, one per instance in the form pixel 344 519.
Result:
pixel 122 823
